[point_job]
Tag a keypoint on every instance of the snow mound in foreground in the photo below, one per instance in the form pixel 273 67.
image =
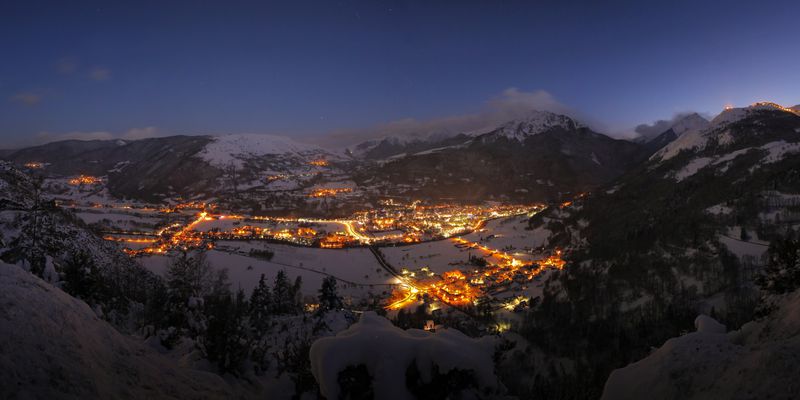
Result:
pixel 759 361
pixel 387 352
pixel 227 149
pixel 53 346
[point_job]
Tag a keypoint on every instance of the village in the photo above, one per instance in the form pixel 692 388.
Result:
pixel 471 274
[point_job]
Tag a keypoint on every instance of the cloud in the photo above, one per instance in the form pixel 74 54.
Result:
pixel 67 65
pixel 130 134
pixel 29 99
pixel 658 127
pixel 509 104
pixel 100 74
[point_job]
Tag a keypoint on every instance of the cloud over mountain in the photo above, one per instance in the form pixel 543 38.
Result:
pixel 510 104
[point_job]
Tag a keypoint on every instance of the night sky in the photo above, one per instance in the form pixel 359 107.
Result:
pixel 140 68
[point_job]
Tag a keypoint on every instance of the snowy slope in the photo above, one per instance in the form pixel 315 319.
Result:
pixel 686 123
pixel 754 362
pixel 690 123
pixel 62 350
pixel 536 122
pixel 63 234
pixel 731 115
pixel 227 149
pixel 697 136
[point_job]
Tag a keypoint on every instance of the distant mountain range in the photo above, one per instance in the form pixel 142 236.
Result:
pixel 542 156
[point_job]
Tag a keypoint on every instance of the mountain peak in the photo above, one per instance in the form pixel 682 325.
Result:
pixel 534 123
pixel 692 121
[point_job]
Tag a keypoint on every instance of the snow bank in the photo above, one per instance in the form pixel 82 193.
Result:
pixel 388 351
pixel 759 361
pixel 706 324
pixel 54 346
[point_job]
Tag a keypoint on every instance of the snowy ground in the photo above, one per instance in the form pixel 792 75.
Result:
pixel 756 362
pixel 752 247
pixel 503 234
pixel 357 269
pixel 87 358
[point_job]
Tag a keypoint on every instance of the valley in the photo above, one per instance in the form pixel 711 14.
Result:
pixel 467 272
pixel 627 239
pixel 399 200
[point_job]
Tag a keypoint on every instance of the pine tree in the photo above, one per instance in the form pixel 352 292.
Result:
pixel 282 294
pixel 226 339
pixel 75 275
pixel 328 295
pixel 260 307
pixel 782 272
pixel 189 279
pixel 297 295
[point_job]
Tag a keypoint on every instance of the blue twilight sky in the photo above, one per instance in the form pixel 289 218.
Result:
pixel 301 68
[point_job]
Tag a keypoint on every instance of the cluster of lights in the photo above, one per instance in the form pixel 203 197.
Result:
pixel 277 177
pixel 84 180
pixel 392 223
pixel 461 288
pixel 431 222
pixel 319 163
pixel 332 192
pixel 336 240
pixel 34 165
pixel 774 105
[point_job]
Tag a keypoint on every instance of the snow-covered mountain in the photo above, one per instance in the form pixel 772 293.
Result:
pixel 691 122
pixel 688 123
pixel 234 149
pixel 393 146
pixel 537 157
pixel 534 123
pixel 717 132
pixel 155 168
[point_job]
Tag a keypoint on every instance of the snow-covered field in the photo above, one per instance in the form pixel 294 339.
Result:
pixel 503 234
pixel 357 269
pixel 118 220
pixel 751 247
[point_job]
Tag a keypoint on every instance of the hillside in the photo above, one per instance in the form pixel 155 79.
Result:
pixel 539 158
pixel 544 156
pixel 177 166
pixel 742 364
pixel 83 357
pixel 682 234
pixel 691 122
